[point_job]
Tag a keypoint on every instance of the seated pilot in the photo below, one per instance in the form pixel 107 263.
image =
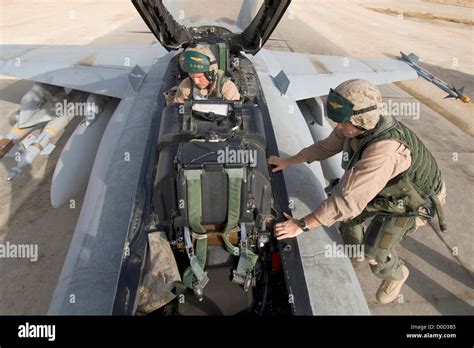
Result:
pixel 205 80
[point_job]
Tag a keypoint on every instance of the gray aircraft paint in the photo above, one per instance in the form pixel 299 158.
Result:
pixel 96 69
pixel 74 165
pixel 94 259
pixel 332 284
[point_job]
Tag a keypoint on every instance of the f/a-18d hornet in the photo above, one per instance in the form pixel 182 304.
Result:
pixel 180 202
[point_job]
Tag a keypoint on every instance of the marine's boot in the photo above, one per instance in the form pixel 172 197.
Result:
pixel 389 289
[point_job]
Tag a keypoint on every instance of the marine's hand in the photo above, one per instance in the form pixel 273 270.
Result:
pixel 287 229
pixel 279 162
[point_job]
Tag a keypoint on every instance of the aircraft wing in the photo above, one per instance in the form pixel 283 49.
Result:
pixel 106 70
pixel 93 264
pixel 303 76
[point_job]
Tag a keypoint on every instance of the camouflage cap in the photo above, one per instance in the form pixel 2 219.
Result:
pixel 362 94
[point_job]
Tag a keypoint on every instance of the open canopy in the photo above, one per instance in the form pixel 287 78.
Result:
pixel 245 23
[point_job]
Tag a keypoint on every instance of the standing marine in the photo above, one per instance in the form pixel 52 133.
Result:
pixel 391 181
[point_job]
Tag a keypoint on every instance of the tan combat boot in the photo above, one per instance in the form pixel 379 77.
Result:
pixel 390 289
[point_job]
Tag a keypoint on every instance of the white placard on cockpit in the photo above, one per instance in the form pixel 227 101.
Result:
pixel 217 109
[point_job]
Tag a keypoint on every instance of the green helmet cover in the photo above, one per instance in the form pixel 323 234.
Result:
pixel 339 109
pixel 195 62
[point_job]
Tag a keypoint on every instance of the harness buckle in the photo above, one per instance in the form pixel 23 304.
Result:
pixel 248 281
pixel 238 278
pixel 198 287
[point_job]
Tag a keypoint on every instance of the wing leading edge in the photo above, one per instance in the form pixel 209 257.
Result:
pixel 114 71
pixel 301 76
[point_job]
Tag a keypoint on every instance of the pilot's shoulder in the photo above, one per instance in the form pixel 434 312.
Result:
pixel 229 87
pixel 228 83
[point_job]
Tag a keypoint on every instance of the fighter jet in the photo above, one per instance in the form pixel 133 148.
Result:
pixel 152 168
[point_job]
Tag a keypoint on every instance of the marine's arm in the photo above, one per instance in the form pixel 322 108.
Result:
pixel 318 151
pixel 380 162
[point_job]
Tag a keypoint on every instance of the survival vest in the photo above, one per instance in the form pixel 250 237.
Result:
pixel 417 187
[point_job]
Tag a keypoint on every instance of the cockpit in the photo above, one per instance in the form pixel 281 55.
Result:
pixel 212 187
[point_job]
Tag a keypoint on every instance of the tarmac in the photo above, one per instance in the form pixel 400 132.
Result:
pixel 441 281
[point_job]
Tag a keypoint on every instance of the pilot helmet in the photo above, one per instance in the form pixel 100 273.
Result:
pixel 199 58
pixel 357 101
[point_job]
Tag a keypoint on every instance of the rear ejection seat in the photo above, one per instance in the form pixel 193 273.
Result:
pixel 182 144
